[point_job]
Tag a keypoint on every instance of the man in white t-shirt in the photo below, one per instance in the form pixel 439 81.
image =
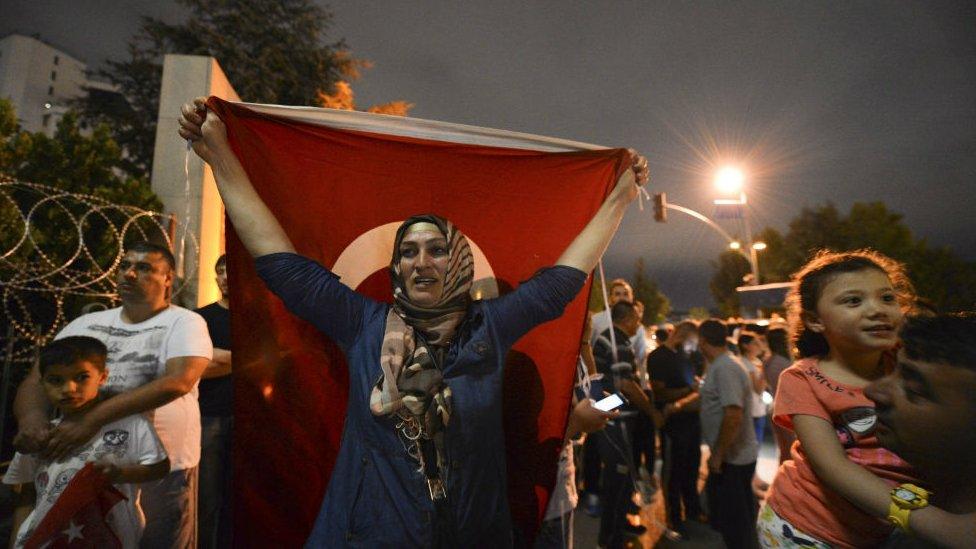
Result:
pixel 156 354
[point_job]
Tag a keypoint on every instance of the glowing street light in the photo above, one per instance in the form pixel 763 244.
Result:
pixel 729 180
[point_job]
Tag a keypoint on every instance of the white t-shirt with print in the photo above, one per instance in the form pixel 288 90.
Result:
pixel 128 441
pixel 137 354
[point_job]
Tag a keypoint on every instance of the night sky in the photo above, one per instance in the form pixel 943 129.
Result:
pixel 816 101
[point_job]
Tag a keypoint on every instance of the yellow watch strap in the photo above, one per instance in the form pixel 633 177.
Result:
pixel 899 517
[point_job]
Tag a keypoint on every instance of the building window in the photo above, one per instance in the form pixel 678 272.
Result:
pixel 56 59
pixel 46 120
pixel 54 75
pixel 50 90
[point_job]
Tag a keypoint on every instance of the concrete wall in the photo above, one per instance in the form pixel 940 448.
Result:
pixel 186 77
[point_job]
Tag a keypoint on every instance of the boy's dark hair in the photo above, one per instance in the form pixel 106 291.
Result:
pixel 71 349
pixel 221 261
pixel 778 340
pixel 944 339
pixel 713 331
pixel 148 247
pixel 745 338
pixel 661 335
pixel 621 311
pixel 810 281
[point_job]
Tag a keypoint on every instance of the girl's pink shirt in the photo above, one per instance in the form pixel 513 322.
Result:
pixel 797 495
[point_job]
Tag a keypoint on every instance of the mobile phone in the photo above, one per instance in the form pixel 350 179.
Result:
pixel 610 403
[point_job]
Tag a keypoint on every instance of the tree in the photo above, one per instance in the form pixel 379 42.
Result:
pixel 344 98
pixel 943 279
pixel 699 313
pixel 730 269
pixel 656 304
pixel 73 162
pixel 273 51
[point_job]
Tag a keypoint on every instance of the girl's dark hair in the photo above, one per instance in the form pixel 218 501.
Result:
pixel 812 278
pixel 778 340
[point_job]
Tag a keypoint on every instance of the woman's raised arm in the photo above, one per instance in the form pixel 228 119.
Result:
pixel 589 245
pixel 256 226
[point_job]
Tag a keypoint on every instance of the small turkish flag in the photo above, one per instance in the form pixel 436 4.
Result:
pixel 77 520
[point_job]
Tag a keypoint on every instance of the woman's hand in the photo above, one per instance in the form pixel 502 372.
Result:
pixel 631 180
pixel 589 245
pixel 207 133
pixel 585 418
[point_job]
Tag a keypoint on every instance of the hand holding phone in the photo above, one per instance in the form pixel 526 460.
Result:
pixel 610 403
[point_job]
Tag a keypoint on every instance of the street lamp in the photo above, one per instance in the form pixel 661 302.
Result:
pixel 730 181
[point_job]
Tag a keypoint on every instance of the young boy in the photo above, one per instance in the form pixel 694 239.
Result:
pixel 126 451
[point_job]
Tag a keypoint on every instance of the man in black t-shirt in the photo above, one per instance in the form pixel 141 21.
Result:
pixel 217 421
pixel 615 442
pixel 676 391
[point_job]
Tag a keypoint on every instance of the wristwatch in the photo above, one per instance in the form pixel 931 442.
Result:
pixel 905 499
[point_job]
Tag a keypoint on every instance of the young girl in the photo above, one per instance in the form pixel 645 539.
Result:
pixel 844 312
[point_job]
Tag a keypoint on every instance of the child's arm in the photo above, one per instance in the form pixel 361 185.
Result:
pixel 828 460
pixel 132 474
pixel 25 497
pixel 868 492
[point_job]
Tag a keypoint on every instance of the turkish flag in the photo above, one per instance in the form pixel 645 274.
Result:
pixel 77 519
pixel 339 195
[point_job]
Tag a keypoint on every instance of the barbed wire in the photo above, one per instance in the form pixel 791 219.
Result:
pixel 56 244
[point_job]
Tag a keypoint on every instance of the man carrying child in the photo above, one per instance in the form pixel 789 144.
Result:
pixel 127 451
pixel 156 354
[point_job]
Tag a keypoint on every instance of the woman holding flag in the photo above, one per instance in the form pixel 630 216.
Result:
pixel 422 460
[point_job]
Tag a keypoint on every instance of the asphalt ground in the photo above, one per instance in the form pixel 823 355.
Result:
pixel 700 535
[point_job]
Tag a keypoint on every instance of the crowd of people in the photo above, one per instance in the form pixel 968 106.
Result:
pixel 873 408
pixel 859 374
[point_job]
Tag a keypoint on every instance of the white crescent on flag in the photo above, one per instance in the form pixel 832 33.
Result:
pixel 372 250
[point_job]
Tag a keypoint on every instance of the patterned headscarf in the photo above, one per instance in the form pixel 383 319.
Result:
pixel 415 334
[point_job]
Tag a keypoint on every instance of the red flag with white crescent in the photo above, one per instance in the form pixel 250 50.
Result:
pixel 78 518
pixel 340 189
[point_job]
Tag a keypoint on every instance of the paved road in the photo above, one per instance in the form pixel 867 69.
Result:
pixel 652 516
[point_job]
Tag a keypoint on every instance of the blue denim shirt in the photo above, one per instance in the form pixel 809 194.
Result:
pixel 376 497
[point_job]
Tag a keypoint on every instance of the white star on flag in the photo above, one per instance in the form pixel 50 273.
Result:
pixel 73 532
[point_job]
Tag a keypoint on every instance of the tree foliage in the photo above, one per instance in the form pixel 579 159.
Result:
pixel 730 270
pixel 344 98
pixel 656 304
pixel 942 278
pixel 272 51
pixel 74 161
pixel 699 313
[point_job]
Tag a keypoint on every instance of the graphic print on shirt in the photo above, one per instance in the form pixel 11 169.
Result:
pixel 136 366
pixel 855 424
pixel 60 483
pixel 114 442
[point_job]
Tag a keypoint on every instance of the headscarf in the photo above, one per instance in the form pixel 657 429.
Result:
pixel 418 336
